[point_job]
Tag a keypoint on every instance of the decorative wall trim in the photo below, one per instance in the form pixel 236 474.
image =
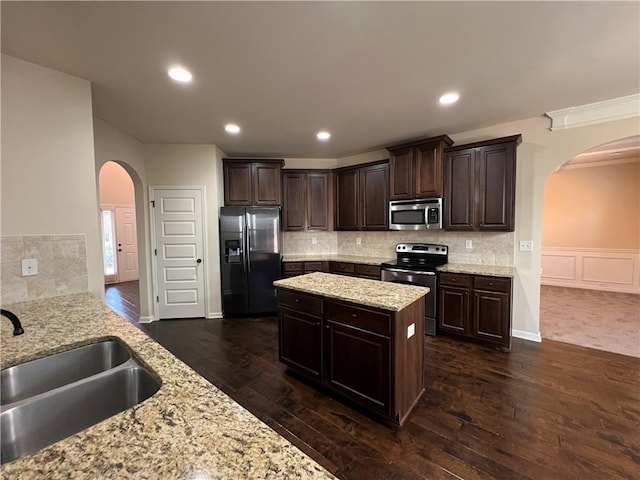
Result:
pixel 597 269
pixel 533 337
pixel 592 113
pixel 146 319
pixel 215 315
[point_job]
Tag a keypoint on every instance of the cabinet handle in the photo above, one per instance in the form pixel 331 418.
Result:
pixel 297 300
pixel 453 279
pixel 354 315
pixel 327 327
pixel 491 284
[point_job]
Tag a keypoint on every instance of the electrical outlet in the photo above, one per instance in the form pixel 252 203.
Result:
pixel 526 245
pixel 358 241
pixel 314 240
pixel 411 330
pixel 468 243
pixel 29 267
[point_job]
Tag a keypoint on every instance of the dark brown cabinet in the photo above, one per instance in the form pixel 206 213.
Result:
pixel 477 307
pixel 300 332
pixel 293 269
pixel 307 200
pixel 479 185
pixel 416 168
pixel 252 182
pixel 362 196
pixel 359 352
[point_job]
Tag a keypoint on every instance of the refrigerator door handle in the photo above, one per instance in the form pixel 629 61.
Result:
pixel 248 245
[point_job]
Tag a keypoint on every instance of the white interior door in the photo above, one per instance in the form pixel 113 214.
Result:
pixel 127 245
pixel 178 229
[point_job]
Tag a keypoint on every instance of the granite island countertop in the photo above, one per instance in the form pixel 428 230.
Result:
pixel 470 269
pixel 188 430
pixel 373 293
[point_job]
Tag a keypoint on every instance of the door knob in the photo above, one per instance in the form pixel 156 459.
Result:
pixel 199 260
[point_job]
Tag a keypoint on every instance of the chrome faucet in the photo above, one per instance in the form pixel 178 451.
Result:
pixel 17 326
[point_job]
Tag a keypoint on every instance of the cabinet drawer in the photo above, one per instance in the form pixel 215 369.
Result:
pixel 292 266
pixel 492 283
pixel 341 267
pixel 367 270
pixel 300 301
pixel 313 267
pixel 376 322
pixel 456 279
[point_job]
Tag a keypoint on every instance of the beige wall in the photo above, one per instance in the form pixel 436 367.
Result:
pixel 194 165
pixel 116 186
pixel 593 207
pixel 48 171
pixel 113 145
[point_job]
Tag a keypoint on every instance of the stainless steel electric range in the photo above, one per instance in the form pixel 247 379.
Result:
pixel 416 264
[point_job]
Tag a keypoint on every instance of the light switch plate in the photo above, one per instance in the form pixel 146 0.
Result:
pixel 468 243
pixel 314 240
pixel 29 267
pixel 358 241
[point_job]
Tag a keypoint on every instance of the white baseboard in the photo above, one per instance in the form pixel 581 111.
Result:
pixel 590 268
pixel 534 337
pixel 146 319
pixel 215 315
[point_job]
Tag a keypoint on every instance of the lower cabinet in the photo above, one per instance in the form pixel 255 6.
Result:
pixel 361 353
pixel 477 307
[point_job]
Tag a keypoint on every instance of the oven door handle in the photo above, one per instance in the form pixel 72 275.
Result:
pixel 433 274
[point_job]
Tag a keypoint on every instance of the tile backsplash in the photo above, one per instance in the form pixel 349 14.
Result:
pixel 62 266
pixel 487 248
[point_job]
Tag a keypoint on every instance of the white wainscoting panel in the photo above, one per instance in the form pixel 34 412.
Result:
pixel 596 269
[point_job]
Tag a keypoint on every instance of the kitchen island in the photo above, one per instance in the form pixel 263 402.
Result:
pixel 188 430
pixel 362 339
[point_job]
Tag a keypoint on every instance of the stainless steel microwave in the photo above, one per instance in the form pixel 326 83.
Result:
pixel 419 214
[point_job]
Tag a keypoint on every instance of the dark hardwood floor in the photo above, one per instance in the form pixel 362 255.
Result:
pixel 124 299
pixel 542 411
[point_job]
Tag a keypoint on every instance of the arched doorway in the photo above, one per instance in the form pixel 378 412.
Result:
pixel 119 239
pixel 589 292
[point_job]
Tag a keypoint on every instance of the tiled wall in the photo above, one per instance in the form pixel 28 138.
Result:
pixel 62 266
pixel 301 243
pixel 487 248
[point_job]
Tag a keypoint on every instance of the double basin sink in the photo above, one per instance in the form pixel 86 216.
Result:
pixel 46 400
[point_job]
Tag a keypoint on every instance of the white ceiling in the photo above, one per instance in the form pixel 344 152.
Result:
pixel 369 72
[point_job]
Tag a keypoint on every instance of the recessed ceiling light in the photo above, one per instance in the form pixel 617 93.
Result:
pixel 324 135
pixel 181 75
pixel 449 98
pixel 232 128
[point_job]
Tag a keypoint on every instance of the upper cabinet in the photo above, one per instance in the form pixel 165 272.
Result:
pixel 252 182
pixel 307 200
pixel 479 185
pixel 362 197
pixel 415 168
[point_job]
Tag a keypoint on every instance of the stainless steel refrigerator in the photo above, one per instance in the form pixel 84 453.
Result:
pixel 250 249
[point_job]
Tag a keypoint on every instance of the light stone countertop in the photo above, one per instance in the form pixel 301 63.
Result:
pixel 488 270
pixel 332 257
pixel 373 293
pixel 188 430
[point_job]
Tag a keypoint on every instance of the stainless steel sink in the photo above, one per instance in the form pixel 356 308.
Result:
pixel 37 376
pixel 35 422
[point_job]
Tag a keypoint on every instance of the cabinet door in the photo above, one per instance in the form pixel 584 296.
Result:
pixel 428 174
pixel 267 186
pixel 459 191
pixel 496 169
pixel 300 342
pixel 318 201
pixel 294 196
pixel 237 184
pixel 401 174
pixel 347 200
pixel 454 309
pixel 491 317
pixel 358 365
pixel 374 197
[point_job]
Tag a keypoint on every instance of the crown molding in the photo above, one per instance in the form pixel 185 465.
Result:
pixel 592 113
